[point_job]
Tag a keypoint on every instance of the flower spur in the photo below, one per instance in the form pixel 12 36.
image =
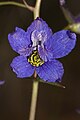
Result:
pixel 38 50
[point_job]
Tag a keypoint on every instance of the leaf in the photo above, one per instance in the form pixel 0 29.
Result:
pixel 51 83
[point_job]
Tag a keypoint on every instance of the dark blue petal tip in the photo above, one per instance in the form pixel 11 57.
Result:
pixel 71 35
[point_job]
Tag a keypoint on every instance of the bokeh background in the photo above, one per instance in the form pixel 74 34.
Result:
pixel 54 103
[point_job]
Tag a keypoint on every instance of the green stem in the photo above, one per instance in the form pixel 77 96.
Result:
pixel 35 82
pixel 37 9
pixel 28 6
pixel 12 3
pixel 34 100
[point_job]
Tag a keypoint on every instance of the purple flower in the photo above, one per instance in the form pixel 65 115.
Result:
pixel 38 50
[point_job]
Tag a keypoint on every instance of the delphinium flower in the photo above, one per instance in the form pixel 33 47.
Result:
pixel 38 50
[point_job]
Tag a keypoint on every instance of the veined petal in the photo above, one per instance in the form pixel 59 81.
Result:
pixel 44 54
pixel 51 71
pixel 39 25
pixel 21 67
pixel 19 42
pixel 61 43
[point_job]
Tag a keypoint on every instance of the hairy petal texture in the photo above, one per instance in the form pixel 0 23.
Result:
pixel 19 42
pixel 51 71
pixel 61 43
pixel 21 67
pixel 39 25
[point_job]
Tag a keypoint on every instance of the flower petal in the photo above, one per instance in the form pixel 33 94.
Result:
pixel 44 54
pixel 39 25
pixel 21 67
pixel 61 43
pixel 51 71
pixel 19 42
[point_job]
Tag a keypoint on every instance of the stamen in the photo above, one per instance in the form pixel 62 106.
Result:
pixel 34 59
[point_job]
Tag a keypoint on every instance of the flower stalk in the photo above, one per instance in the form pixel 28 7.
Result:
pixel 34 99
pixel 28 6
pixel 37 9
pixel 36 12
pixel 12 3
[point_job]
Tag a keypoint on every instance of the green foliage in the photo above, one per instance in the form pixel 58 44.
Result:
pixel 51 83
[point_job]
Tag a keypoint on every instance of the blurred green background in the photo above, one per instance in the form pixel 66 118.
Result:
pixel 54 103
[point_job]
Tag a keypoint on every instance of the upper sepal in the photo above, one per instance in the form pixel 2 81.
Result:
pixel 61 43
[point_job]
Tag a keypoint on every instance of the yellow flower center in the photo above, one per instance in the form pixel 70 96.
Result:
pixel 34 59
